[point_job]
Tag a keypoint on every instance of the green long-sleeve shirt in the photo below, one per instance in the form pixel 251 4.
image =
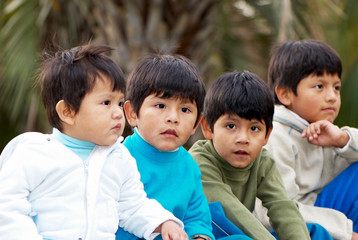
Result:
pixel 237 189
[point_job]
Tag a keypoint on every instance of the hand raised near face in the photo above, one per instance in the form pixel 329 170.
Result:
pixel 325 133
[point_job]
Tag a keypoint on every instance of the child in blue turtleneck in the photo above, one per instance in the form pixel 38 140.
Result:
pixel 164 101
pixel 165 97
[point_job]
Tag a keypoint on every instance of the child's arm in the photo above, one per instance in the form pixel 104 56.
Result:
pixel 139 215
pixel 288 149
pixel 325 133
pixel 14 206
pixel 171 231
pixel 288 224
pixel 197 217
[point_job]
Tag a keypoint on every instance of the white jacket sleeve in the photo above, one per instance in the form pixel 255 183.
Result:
pixel 329 219
pixel 15 209
pixel 138 214
pixel 9 149
pixel 350 152
pixel 285 153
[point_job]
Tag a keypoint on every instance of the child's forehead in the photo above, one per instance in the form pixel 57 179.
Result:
pixel 323 75
pixel 315 78
pixel 236 117
pixel 102 79
pixel 104 87
pixel 176 97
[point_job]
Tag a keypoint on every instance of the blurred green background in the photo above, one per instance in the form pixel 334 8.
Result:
pixel 217 35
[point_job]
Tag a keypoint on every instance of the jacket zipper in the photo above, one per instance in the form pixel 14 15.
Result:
pixel 85 164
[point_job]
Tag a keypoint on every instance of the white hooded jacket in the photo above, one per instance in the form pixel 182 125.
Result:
pixel 47 191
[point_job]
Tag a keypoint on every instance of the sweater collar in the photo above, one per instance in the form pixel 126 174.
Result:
pixel 137 132
pixel 79 147
pixel 287 117
pixel 148 150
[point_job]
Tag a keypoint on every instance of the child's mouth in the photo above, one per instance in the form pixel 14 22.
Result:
pixel 241 152
pixel 170 132
pixel 329 109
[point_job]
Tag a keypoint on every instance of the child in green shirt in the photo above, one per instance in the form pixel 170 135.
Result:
pixel 237 122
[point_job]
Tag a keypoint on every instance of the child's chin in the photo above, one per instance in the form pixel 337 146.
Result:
pixel 166 148
pixel 108 142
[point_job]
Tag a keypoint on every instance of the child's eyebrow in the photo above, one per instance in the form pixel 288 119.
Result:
pixel 110 94
pixel 186 100
pixel 234 117
pixel 258 121
pixel 105 95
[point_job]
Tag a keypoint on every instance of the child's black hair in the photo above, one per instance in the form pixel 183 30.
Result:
pixel 292 61
pixel 165 76
pixel 71 74
pixel 240 93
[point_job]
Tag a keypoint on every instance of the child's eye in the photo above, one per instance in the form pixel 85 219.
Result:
pixel 121 104
pixel 255 128
pixel 185 110
pixel 107 102
pixel 319 86
pixel 230 126
pixel 160 105
pixel 337 88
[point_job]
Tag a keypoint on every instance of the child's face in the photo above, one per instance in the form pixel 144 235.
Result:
pixel 318 98
pixel 165 124
pixel 237 140
pixel 100 118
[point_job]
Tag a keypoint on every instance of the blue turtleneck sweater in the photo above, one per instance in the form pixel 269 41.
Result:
pixel 173 179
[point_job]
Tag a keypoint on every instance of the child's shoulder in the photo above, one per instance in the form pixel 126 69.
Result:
pixel 286 121
pixel 119 148
pixel 265 155
pixel 265 165
pixel 28 138
pixel 199 149
pixel 203 152
pixel 187 155
pixel 265 160
pixel 199 146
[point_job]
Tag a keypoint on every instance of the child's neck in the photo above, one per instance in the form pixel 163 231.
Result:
pixel 136 130
pixel 81 148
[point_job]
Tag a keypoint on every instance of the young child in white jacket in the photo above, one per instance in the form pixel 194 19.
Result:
pixel 79 182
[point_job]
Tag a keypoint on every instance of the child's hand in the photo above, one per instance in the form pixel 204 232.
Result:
pixel 171 231
pixel 324 133
pixel 355 236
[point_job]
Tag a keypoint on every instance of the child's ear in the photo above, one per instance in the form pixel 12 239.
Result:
pixel 206 129
pixel 65 113
pixel 130 113
pixel 284 94
pixel 197 124
pixel 268 135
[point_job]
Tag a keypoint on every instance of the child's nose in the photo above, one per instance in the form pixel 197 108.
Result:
pixel 172 116
pixel 242 137
pixel 331 95
pixel 118 112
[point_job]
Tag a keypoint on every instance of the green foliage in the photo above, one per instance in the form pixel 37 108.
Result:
pixel 217 35
pixel 344 39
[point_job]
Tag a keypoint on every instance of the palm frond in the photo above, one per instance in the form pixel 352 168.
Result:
pixel 18 56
